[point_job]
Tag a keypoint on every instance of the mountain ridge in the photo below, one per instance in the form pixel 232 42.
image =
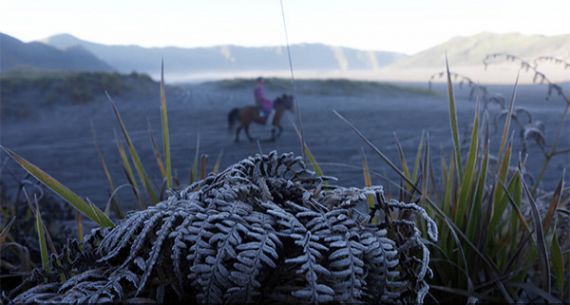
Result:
pixel 228 58
pixel 16 54
pixel 311 59
pixel 470 50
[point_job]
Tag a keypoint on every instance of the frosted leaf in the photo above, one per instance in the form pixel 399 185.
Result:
pixel 264 230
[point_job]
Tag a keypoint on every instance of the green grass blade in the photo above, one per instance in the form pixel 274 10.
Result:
pixel 128 170
pixel 449 186
pixel 126 164
pixel 554 202
pixel 540 239
pixel 557 264
pixel 367 182
pixel 165 130
pixel 403 162
pixel 499 200
pixel 42 239
pixel 79 224
pixel 309 155
pixel 417 160
pixel 515 188
pixel 453 122
pixel 475 212
pixel 433 180
pixel 514 236
pixel 203 162
pixel 218 163
pixel 466 188
pixel 506 127
pixel 515 206
pixel 426 162
pixel 134 154
pixel 404 191
pixel 313 161
pixel 156 151
pixel 95 214
pixel 115 204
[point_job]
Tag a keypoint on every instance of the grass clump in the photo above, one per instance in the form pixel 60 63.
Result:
pixel 500 238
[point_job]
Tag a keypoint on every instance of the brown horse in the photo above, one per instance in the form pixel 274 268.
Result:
pixel 249 114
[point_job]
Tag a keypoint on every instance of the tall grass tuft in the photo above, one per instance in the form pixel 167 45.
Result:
pixel 87 209
pixel 139 167
pixel 534 130
pixel 495 245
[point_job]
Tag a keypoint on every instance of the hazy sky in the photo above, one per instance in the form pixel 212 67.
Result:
pixel 398 25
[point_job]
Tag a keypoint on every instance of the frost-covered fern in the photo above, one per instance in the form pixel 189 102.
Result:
pixel 265 230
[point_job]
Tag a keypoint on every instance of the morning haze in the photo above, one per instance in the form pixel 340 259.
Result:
pixel 284 152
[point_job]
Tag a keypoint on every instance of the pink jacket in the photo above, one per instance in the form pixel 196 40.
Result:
pixel 260 99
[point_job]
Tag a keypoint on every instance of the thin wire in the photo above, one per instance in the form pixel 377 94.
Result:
pixel 298 110
pixel 287 42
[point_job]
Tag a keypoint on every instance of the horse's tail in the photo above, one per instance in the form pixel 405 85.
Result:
pixel 233 115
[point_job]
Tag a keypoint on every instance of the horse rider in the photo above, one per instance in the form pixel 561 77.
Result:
pixel 265 105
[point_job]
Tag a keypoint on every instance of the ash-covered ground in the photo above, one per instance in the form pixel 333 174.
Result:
pixel 58 138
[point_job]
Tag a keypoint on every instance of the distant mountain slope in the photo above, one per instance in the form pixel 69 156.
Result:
pixel 470 50
pixel 15 54
pixel 229 58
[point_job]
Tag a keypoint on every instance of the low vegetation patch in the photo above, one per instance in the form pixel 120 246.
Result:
pixel 23 92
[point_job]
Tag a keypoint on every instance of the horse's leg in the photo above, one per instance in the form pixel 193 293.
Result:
pixel 247 133
pixel 238 130
pixel 280 130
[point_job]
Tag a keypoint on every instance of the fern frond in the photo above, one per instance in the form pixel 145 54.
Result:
pixel 214 280
pixel 381 261
pixel 253 260
pixel 266 229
